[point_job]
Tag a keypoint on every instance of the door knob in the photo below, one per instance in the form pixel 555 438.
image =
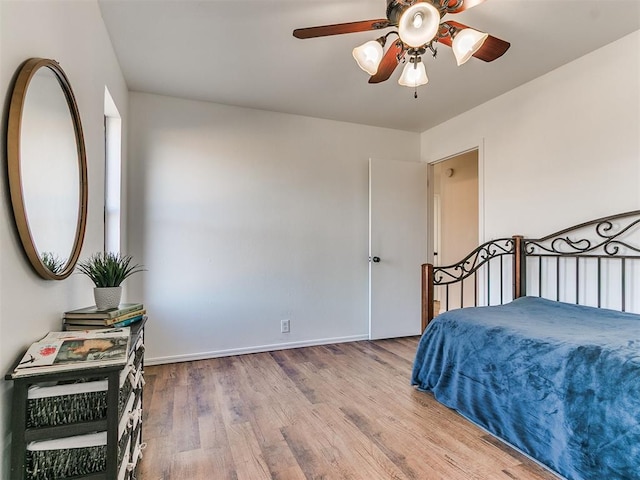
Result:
pixel 375 259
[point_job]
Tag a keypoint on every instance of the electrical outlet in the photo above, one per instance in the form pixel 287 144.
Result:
pixel 285 326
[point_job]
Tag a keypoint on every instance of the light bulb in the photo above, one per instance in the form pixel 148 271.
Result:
pixel 417 20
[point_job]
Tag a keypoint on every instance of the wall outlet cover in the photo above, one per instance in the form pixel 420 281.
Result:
pixel 285 326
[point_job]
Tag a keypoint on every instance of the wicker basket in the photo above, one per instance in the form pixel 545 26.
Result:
pixel 51 406
pixel 46 462
pixel 67 462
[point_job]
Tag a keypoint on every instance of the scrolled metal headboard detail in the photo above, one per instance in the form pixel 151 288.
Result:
pixel 609 236
pixel 457 273
pixel 471 263
pixel 609 246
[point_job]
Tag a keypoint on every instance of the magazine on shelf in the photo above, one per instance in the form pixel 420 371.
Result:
pixel 61 351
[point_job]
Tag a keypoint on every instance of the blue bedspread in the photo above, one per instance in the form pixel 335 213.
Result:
pixel 561 382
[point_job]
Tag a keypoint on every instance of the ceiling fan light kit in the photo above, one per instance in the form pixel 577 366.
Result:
pixel 419 27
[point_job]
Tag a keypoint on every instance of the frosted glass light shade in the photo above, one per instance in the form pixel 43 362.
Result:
pixel 466 43
pixel 414 74
pixel 368 56
pixel 418 24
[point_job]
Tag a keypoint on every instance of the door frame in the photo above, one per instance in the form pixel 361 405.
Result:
pixel 478 145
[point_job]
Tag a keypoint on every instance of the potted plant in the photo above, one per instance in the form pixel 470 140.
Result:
pixel 107 271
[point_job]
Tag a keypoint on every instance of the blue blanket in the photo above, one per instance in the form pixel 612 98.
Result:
pixel 560 382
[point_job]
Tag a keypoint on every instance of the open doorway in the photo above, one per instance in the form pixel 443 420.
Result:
pixel 455 191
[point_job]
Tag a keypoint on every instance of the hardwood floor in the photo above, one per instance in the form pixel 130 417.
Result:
pixel 344 411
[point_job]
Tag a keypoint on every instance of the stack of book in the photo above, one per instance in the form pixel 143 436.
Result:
pixel 89 318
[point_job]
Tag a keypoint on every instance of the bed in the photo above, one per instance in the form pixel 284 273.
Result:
pixel 547 356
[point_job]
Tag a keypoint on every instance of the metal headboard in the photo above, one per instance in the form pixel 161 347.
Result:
pixel 588 264
pixel 597 254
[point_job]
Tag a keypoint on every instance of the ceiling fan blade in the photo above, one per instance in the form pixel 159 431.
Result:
pixel 340 28
pixel 491 49
pixel 466 5
pixel 389 62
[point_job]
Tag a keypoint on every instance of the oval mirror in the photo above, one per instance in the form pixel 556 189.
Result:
pixel 47 168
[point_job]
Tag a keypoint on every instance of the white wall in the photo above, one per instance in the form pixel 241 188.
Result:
pixel 71 32
pixel 559 150
pixel 244 218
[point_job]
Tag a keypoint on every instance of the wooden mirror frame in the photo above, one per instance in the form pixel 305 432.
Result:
pixel 14 126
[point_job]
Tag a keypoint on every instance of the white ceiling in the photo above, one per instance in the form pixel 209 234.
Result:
pixel 242 52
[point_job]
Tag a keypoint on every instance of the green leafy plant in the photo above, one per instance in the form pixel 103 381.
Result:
pixel 106 269
pixel 53 262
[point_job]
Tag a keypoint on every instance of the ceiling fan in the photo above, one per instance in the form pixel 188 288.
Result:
pixel 419 27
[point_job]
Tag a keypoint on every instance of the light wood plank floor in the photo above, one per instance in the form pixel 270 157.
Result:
pixel 344 411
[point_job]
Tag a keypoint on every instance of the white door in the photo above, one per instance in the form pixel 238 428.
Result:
pixel 397 246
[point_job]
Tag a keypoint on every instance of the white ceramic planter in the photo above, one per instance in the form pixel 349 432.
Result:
pixel 107 297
